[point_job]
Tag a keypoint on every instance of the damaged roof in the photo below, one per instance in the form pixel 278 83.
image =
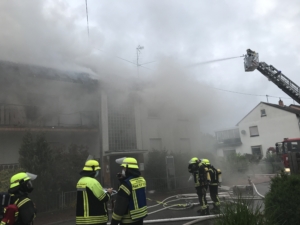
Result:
pixel 46 73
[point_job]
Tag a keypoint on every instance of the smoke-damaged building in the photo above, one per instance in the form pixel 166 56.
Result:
pixel 74 108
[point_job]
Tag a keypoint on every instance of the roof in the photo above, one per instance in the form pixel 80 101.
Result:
pixel 285 108
pixel 291 109
pixel 46 73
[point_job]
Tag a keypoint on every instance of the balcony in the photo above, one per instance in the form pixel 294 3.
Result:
pixel 230 137
pixel 22 117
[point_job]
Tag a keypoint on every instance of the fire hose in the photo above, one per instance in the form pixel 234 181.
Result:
pixel 168 203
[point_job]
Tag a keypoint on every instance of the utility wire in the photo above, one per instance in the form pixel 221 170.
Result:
pixel 87 18
pixel 241 93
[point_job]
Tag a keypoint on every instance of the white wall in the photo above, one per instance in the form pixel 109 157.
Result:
pixel 170 130
pixel 276 125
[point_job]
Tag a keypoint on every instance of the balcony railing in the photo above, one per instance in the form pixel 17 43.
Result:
pixel 230 142
pixel 31 116
pixel 230 137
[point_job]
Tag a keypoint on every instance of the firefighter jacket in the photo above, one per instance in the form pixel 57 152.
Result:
pixel 194 169
pixel 26 209
pixel 215 175
pixel 204 176
pixel 131 205
pixel 91 202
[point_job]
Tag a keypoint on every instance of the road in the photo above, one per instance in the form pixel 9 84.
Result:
pixel 167 213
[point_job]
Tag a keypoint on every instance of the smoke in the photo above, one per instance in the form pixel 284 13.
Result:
pixel 174 90
pixel 53 34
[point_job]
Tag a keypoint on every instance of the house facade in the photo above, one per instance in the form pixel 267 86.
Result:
pixel 73 108
pixel 260 129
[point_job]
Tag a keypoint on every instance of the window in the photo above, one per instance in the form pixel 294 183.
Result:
pixel 263 112
pixel 254 131
pixel 155 144
pixel 256 150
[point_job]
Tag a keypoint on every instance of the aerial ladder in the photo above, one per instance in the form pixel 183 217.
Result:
pixel 251 62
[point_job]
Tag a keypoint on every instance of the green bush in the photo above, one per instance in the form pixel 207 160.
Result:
pixel 5 178
pixel 282 201
pixel 241 212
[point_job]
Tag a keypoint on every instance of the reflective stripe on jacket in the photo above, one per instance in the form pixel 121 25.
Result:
pixel 91 202
pixel 135 188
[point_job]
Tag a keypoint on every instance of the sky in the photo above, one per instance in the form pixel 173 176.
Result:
pixel 174 34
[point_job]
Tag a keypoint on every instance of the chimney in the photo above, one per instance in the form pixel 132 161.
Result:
pixel 281 103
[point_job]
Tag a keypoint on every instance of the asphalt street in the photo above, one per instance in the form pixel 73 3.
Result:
pixel 165 213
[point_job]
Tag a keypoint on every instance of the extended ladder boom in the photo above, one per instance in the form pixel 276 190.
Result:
pixel 251 62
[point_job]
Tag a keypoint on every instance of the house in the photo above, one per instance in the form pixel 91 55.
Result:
pixel 72 107
pixel 260 129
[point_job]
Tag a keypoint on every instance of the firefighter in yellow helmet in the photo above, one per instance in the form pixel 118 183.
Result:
pixel 204 180
pixel 216 179
pixel 193 168
pixel 91 197
pixel 20 186
pixel 131 205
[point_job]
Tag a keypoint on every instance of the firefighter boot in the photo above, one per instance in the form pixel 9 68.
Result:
pixel 202 212
pixel 216 209
pixel 207 211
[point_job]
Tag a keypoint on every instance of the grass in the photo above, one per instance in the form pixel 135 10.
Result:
pixel 241 212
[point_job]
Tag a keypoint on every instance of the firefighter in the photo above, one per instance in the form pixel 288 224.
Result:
pixel 131 205
pixel 204 180
pixel 20 186
pixel 216 179
pixel 91 197
pixel 193 168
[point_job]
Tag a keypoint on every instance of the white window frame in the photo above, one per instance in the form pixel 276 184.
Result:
pixel 254 132
pixel 263 113
pixel 260 149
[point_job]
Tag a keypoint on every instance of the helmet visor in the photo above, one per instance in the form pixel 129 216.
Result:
pixel 31 176
pixel 120 160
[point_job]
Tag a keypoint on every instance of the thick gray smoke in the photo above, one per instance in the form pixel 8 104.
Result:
pixel 54 34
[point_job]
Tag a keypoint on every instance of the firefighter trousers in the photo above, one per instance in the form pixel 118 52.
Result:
pixel 201 192
pixel 213 190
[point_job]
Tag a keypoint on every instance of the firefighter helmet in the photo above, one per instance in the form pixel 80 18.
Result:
pixel 130 163
pixel 91 165
pixel 194 160
pixel 19 178
pixel 205 162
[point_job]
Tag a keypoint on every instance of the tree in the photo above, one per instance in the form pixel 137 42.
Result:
pixel 68 163
pixel 36 157
pixel 27 152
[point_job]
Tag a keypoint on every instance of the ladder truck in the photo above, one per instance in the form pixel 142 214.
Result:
pixel 251 62
pixel 289 148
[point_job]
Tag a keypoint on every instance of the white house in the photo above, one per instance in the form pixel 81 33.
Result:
pixel 260 129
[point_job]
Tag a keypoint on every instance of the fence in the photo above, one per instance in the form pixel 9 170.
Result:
pixel 10 166
pixel 55 201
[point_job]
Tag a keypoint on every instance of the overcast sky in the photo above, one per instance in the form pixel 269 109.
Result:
pixel 174 34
